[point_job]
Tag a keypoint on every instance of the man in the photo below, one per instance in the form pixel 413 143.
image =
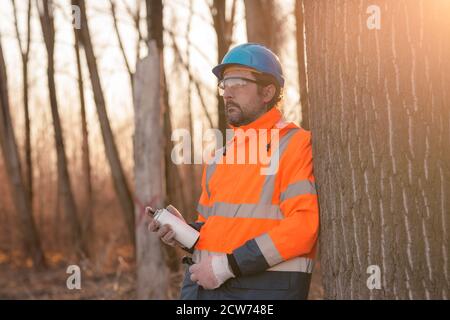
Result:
pixel 258 231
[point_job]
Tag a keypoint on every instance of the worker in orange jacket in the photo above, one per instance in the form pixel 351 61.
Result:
pixel 258 220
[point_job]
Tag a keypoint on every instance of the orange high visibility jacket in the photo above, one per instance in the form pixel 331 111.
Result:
pixel 261 221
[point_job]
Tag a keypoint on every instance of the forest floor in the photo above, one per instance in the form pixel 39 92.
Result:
pixel 114 280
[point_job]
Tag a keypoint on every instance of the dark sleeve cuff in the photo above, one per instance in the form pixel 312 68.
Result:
pixel 249 258
pixel 233 265
pixel 196 225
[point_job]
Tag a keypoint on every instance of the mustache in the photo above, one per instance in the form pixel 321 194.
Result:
pixel 232 104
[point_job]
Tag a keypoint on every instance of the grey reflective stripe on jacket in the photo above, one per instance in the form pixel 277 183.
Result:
pixel 298 188
pixel 297 264
pixel 241 210
pixel 269 182
pixel 210 168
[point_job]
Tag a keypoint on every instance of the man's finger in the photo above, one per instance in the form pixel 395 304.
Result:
pixel 194 277
pixel 153 226
pixel 168 237
pixel 171 243
pixel 193 268
pixel 163 230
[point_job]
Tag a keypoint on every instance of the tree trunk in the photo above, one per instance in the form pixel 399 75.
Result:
pixel 193 176
pixel 381 137
pixel 87 225
pixel 152 272
pixel 174 183
pixel 262 23
pixel 224 34
pixel 46 17
pixel 25 52
pixel 301 63
pixel 10 153
pixel 118 175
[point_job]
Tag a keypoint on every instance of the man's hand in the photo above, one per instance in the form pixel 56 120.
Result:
pixel 164 232
pixel 211 272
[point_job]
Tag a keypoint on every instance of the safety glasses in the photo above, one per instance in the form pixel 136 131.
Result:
pixel 233 84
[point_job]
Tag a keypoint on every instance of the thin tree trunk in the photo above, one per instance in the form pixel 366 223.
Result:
pixel 118 175
pixel 25 52
pixel 10 153
pixel 301 63
pixel 195 187
pixel 174 183
pixel 152 272
pixel 263 23
pixel 46 16
pixel 224 35
pixel 381 137
pixel 88 218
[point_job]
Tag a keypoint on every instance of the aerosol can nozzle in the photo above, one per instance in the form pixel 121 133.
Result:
pixel 150 211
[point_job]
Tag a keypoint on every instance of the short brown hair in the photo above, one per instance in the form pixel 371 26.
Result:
pixel 264 80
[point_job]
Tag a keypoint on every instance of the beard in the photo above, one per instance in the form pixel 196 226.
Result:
pixel 234 114
pixel 238 116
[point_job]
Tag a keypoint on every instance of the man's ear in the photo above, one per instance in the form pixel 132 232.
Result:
pixel 269 93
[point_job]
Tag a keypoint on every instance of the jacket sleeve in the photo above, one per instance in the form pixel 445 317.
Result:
pixel 296 234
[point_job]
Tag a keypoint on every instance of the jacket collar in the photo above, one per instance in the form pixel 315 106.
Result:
pixel 265 121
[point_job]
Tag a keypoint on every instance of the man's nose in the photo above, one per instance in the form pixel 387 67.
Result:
pixel 227 93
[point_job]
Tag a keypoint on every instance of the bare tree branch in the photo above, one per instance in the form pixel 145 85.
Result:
pixel 136 17
pixel 119 39
pixel 191 77
pixel 16 25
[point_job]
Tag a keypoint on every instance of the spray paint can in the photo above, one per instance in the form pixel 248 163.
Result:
pixel 184 233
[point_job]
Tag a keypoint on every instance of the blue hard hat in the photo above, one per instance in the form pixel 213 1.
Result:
pixel 255 56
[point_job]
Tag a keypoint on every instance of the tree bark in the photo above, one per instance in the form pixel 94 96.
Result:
pixel 152 271
pixel 10 153
pixel 381 136
pixel 263 23
pixel 25 53
pixel 46 16
pixel 118 174
pixel 194 178
pixel 301 63
pixel 224 33
pixel 174 182
pixel 87 225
